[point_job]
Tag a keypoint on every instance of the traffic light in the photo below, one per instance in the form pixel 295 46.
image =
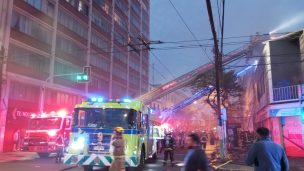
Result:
pixel 85 76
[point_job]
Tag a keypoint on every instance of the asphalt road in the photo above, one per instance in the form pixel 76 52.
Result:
pixel 49 164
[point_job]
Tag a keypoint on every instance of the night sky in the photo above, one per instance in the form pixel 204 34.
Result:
pixel 242 18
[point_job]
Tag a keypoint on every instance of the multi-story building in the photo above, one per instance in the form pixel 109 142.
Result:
pixel 46 42
pixel 273 91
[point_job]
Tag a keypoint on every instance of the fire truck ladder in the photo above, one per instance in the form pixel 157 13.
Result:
pixel 187 78
pixel 203 92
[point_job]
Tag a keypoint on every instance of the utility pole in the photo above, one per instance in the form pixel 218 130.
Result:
pixel 218 74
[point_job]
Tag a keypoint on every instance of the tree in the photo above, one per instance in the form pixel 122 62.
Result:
pixel 230 90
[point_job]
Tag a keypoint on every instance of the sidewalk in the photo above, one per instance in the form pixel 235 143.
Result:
pixel 295 163
pixel 230 166
pixel 17 156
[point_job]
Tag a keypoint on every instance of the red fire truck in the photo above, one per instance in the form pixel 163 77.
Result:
pixel 44 130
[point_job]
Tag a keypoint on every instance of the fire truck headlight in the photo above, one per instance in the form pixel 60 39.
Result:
pixel 52 133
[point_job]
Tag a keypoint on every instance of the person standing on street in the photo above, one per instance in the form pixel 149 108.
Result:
pixel 195 159
pixel 16 140
pixel 266 155
pixel 168 145
pixel 118 143
pixel 59 148
pixel 204 140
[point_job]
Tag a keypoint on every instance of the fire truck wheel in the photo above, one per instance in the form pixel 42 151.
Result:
pixel 43 155
pixel 154 156
pixel 142 157
pixel 87 168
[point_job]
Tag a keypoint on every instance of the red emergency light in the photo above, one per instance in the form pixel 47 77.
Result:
pixel 168 85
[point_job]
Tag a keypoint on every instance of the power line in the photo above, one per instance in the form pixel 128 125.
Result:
pixel 160 73
pixel 173 76
pixel 193 35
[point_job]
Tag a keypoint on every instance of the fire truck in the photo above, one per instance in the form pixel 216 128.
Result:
pixel 43 132
pixel 93 124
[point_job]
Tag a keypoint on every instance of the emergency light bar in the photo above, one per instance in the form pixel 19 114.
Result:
pixel 100 99
pixel 96 99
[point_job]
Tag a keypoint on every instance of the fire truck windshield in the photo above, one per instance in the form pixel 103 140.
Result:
pixel 105 118
pixel 44 123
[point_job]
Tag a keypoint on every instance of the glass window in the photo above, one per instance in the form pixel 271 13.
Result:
pixel 72 24
pixel 28 59
pixel 100 62
pixel 42 5
pixel 101 22
pixel 45 123
pixel 69 46
pixel 31 28
pixel 100 42
pixel 105 118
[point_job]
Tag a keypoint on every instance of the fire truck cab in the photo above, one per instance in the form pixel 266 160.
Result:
pixel 44 131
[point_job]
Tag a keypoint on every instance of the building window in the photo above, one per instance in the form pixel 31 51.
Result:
pixel 100 62
pixel 70 47
pixel 28 59
pixel 24 92
pixel 134 79
pixel 122 23
pixel 100 42
pixel 120 56
pixel 100 2
pixel 99 83
pixel 120 38
pixel 61 68
pixel 72 24
pixel 101 22
pixel 80 6
pixel 42 5
pixel 31 28
pixel 122 6
pixel 120 71
pixel 136 7
pixel 119 91
pixel 134 64
pixel 106 8
pixel 135 22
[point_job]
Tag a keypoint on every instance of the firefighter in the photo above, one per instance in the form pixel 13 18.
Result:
pixel 168 144
pixel 204 140
pixel 59 148
pixel 118 144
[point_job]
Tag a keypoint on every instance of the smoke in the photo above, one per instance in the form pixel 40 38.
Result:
pixel 290 23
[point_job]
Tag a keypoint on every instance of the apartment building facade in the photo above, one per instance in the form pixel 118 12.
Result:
pixel 47 42
pixel 273 92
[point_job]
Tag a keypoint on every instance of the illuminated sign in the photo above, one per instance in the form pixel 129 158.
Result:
pixel 285 112
pixel 18 113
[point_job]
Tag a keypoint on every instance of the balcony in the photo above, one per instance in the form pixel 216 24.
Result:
pixel 287 94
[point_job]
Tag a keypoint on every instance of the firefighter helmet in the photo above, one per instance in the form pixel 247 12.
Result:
pixel 118 129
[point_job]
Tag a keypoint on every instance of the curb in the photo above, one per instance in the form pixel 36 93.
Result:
pixel 69 168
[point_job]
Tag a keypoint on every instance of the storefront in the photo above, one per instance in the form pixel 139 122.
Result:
pixel 286 124
pixel 18 115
